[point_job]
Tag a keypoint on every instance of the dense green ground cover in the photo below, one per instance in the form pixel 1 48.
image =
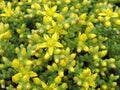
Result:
pixel 59 44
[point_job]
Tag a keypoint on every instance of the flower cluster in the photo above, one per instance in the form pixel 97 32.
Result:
pixel 59 45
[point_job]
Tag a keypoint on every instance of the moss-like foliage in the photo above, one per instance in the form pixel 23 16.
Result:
pixel 59 44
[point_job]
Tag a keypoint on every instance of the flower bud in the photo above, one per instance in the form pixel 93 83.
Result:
pixel 28 86
pixel 19 87
pixel 73 22
pixel 104 63
pixel 112 65
pixel 64 86
pixel 46 20
pixel 91 36
pixel 73 56
pixel 2 66
pixel 77 5
pixel 58 79
pixel 57 51
pixel 23 52
pixel 5 59
pixel 54 65
pixel 107 23
pixel 71 69
pixel 63 63
pixel 102 53
pixel 79 49
pixel 38 12
pixel 87 30
pixel 94 40
pixel 36 37
pixel 47 56
pixel 60 18
pixel 58 2
pixel 95 57
pixel 112 88
pixel 15 63
pixel 26 78
pixel 103 46
pixel 79 83
pixel 35 6
pixel 67 1
pixel 101 19
pixel 83 37
pixel 37 81
pixel 85 84
pixel 97 70
pixel 29 62
pixel 114 84
pixel 16 77
pixel 49 68
pixel 72 8
pixel 87 71
pixel 39 62
pixel 73 63
pixel 1 51
pixel 66 25
pixel 83 16
pixel 65 9
pixel 85 48
pixel 112 60
pixel 7 34
pixel 104 87
pixel 61 73
pixel 117 22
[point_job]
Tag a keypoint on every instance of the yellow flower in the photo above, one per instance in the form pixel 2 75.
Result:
pixel 104 63
pixel 57 29
pixel 2 4
pixel 102 53
pixel 16 77
pixel 36 80
pixel 107 23
pixel 88 77
pixel 8 11
pixel 65 9
pixel 57 80
pixel 83 16
pixel 15 63
pixel 108 13
pixel 50 12
pixel 82 37
pixel 66 25
pixel 117 22
pixel 50 43
pixel 24 74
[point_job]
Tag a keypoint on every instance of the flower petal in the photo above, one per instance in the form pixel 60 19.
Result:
pixel 53 23
pixel 50 50
pixel 46 37
pixel 55 36
pixel 63 32
pixel 42 45
pixel 46 7
pixel 57 44
pixel 32 74
pixel 51 31
pixel 54 8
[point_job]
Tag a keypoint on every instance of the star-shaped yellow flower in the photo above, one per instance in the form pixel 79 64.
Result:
pixel 50 43
pixel 8 11
pixel 49 13
pixel 24 74
pixel 57 28
pixel 108 13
